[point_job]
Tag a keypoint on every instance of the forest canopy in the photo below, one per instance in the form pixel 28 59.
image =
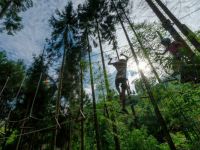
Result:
pixel 70 98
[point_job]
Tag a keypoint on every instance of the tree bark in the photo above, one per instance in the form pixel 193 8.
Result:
pixel 81 107
pixel 116 138
pixel 141 45
pixel 166 23
pixel 96 124
pixel 60 92
pixel 182 27
pixel 147 86
pixel 103 61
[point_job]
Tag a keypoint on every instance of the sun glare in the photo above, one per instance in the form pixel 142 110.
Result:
pixel 143 66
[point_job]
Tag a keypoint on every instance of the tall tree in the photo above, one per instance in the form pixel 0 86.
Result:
pixel 96 124
pixel 81 106
pixel 140 41
pixel 183 28
pixel 168 26
pixel 10 10
pixel 34 103
pixel 12 73
pixel 65 41
pixel 95 15
pixel 147 85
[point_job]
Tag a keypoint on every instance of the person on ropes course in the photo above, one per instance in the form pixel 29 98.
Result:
pixel 121 80
pixel 182 60
pixel 173 47
pixel 176 49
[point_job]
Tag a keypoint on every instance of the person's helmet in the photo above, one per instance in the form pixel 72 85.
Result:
pixel 165 41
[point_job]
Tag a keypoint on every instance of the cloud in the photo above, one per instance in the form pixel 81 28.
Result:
pixel 31 39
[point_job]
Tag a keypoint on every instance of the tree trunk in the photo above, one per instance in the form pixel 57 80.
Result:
pixel 166 23
pixel 116 139
pixel 70 136
pixel 60 92
pixel 96 124
pixel 103 61
pixel 5 8
pixel 141 45
pixel 182 27
pixel 81 107
pixel 136 123
pixel 147 86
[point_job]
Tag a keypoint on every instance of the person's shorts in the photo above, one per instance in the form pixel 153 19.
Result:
pixel 122 81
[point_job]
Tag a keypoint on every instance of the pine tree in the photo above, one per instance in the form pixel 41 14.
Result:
pixel 36 96
pixel 95 16
pixel 144 50
pixel 10 10
pixel 166 23
pixel 182 27
pixel 12 73
pixel 64 38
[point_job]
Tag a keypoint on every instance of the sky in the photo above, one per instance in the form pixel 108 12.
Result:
pixel 31 39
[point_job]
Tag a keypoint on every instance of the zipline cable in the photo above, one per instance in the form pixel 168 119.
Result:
pixel 198 9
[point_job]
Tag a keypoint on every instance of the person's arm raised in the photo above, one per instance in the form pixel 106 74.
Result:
pixel 109 63
pixel 125 56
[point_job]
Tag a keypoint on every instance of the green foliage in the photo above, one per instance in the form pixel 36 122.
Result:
pixel 137 130
pixel 10 13
pixel 12 138
pixel 138 139
pixel 13 72
pixel 181 142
